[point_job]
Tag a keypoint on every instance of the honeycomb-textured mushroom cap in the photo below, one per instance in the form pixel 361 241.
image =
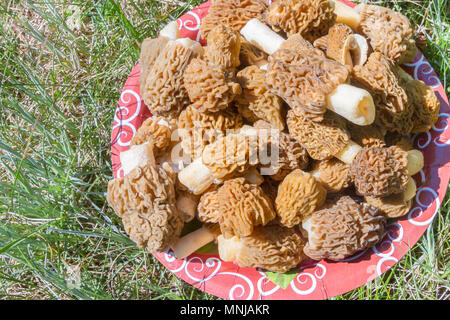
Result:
pixel 343 228
pixel 299 195
pixel 150 50
pixel 380 171
pixel 304 81
pixel 223 47
pixel 242 206
pixel 232 13
pixel 323 139
pixel 251 55
pixel 145 201
pixel 297 43
pixel 210 87
pixel 164 92
pixel 389 32
pixel 153 130
pixel 291 155
pixel 273 247
pixel 380 76
pixel 208 206
pixel 338 46
pixel 310 18
pixel 256 101
pixel 198 129
pixel 425 105
pixel 393 206
pixel 333 174
pixel 366 136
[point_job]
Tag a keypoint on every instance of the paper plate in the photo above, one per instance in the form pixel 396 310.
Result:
pixel 316 279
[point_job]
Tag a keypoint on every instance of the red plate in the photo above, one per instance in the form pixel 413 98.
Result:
pixel 317 279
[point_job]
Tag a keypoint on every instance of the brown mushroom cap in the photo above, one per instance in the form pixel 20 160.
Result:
pixel 304 80
pixel 297 43
pixel 425 105
pixel 338 47
pixel 152 131
pixel 380 76
pixel 198 129
pixel 150 50
pixel 145 200
pixel 223 47
pixel 310 18
pixel 210 87
pixel 323 139
pixel 291 155
pixel 393 206
pixel 380 171
pixel 343 228
pixel 164 92
pixel 208 206
pixel 273 247
pixel 389 32
pixel 366 136
pixel 333 174
pixel 299 195
pixel 256 102
pixel 251 55
pixel 232 13
pixel 242 206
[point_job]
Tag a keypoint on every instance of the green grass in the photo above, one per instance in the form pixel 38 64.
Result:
pixel 62 67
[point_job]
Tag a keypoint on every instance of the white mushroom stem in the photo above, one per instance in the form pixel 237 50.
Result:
pixel 170 31
pixel 354 104
pixel 410 190
pixel 191 44
pixel 359 49
pixel 187 206
pixel 261 36
pixel 229 249
pixel 415 161
pixel 196 177
pixel 253 176
pixel 191 242
pixel 135 156
pixel 349 152
pixel 346 15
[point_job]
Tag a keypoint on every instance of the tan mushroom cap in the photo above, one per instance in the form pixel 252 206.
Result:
pixel 154 130
pixel 425 105
pixel 210 87
pixel 164 92
pixel 389 32
pixel 232 13
pixel 380 171
pixel 380 76
pixel 242 207
pixel 310 18
pixel 392 206
pixel 256 101
pixel 150 50
pixel 299 195
pixel 208 206
pixel 273 247
pixel 298 44
pixel 223 47
pixel 323 139
pixel 366 136
pixel 338 46
pixel 145 201
pixel 333 174
pixel 186 203
pixel 198 129
pixel 251 55
pixel 343 228
pixel 304 80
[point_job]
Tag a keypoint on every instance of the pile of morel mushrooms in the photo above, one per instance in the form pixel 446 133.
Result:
pixel 285 136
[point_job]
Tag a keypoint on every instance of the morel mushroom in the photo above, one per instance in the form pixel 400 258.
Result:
pixel 145 201
pixel 164 92
pixel 186 203
pixel 256 102
pixel 251 55
pixel 299 195
pixel 242 207
pixel 232 13
pixel 274 248
pixel 342 228
pixel 310 18
pixel 392 206
pixel 150 50
pixel 210 87
pixel 155 130
pixel 333 174
pixel 208 206
pixel 367 136
pixel 223 47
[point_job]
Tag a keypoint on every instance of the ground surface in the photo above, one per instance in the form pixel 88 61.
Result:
pixel 62 67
